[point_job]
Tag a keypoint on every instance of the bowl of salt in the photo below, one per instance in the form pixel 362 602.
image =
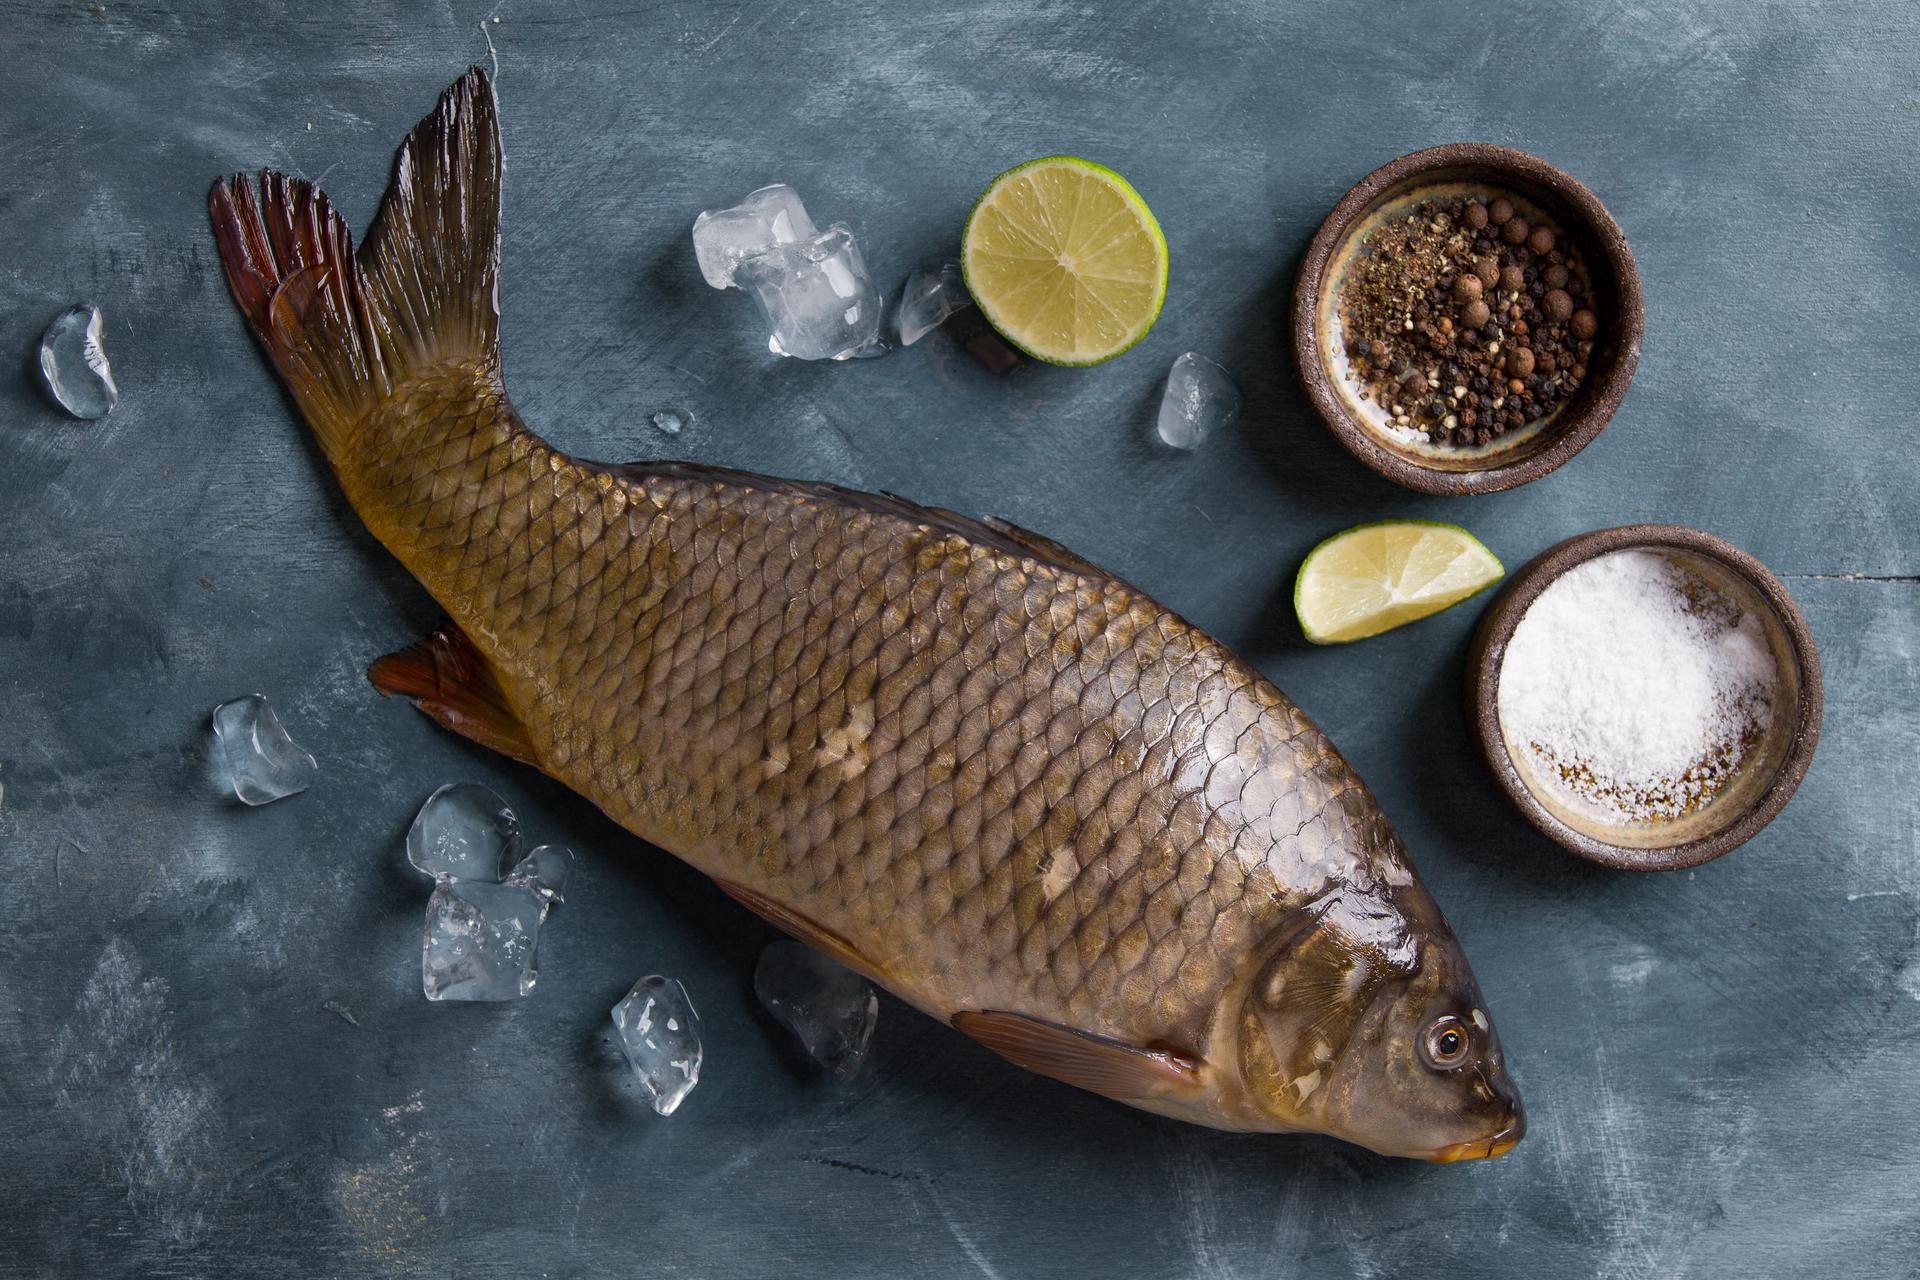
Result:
pixel 1648 696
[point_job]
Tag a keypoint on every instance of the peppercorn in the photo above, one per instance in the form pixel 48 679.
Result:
pixel 1520 361
pixel 1585 324
pixel 1377 349
pixel 1511 279
pixel 1555 276
pixel 1501 209
pixel 1540 240
pixel 1475 215
pixel 1559 305
pixel 1466 287
pixel 1417 384
pixel 1515 232
pixel 1515 386
pixel 1476 314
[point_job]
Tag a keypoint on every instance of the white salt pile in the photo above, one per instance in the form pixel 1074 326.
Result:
pixel 1637 685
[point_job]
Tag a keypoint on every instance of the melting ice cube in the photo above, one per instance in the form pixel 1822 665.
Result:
pixel 73 363
pixel 545 870
pixel 670 422
pixel 660 1034
pixel 465 832
pixel 933 292
pixel 1200 399
pixel 482 941
pixel 830 1007
pixel 258 758
pixel 817 297
pixel 724 238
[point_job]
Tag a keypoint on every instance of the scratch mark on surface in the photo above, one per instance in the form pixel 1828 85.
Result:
pixel 114 1069
pixel 960 1236
pixel 345 1014
pixel 1852 577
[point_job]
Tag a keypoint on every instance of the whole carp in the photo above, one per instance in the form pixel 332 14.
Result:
pixel 996 779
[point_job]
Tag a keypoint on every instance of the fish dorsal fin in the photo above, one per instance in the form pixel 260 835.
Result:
pixel 795 925
pixel 1080 1058
pixel 991 532
pixel 1041 547
pixel 450 680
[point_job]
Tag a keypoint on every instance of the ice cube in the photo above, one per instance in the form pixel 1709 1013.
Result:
pixel 1200 399
pixel 816 295
pixel 660 1034
pixel 671 422
pixel 73 364
pixel 724 238
pixel 545 870
pixel 464 832
pixel 830 1007
pixel 933 292
pixel 482 941
pixel 257 757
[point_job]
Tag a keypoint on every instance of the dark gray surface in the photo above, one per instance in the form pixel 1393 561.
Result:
pixel 1720 1066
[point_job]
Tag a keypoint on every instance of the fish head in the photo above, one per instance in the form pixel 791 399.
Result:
pixel 1368 1025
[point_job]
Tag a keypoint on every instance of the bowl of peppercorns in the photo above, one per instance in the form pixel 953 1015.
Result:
pixel 1467 319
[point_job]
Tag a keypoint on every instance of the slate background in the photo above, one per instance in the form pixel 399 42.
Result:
pixel 1720 1065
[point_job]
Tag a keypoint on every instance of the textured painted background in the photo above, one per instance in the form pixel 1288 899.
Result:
pixel 1721 1066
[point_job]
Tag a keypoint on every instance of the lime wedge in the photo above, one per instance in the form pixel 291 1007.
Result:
pixel 1375 577
pixel 1065 260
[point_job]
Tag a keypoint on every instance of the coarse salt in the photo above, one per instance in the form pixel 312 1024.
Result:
pixel 1637 686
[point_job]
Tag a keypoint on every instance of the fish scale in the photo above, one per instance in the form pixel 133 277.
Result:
pixel 1002 782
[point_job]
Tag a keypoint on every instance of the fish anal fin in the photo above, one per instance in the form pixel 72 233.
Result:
pixel 450 680
pixel 795 925
pixel 1096 1063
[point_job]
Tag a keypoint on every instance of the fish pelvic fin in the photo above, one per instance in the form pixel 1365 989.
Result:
pixel 451 682
pixel 347 331
pixel 1099 1064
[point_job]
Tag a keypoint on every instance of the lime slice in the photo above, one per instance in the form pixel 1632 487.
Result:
pixel 1065 260
pixel 1375 577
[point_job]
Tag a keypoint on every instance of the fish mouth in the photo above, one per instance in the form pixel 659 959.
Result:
pixel 1487 1148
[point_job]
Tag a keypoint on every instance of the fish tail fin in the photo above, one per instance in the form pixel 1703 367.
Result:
pixel 345 330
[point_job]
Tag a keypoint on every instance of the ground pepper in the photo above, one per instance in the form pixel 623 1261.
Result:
pixel 1466 320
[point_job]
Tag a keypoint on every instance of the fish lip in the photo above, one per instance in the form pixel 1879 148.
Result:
pixel 1487 1148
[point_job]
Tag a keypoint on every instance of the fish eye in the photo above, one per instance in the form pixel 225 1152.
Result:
pixel 1445 1042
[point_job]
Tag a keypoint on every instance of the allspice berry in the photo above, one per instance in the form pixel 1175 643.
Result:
pixel 1476 314
pixel 1520 362
pixel 1512 279
pixel 1585 325
pixel 1500 210
pixel 1558 304
pixel 1467 286
pixel 1515 232
pixel 1540 240
pixel 1475 216
pixel 1488 270
pixel 1554 277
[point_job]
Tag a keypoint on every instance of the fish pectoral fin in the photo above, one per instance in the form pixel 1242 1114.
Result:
pixel 795 925
pixel 450 680
pixel 1096 1063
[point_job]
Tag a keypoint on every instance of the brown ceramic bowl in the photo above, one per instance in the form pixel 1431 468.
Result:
pixel 1766 778
pixel 1536 188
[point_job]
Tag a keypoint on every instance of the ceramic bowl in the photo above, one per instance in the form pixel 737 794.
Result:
pixel 1536 188
pixel 1765 779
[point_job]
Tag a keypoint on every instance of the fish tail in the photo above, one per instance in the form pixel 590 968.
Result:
pixel 347 331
